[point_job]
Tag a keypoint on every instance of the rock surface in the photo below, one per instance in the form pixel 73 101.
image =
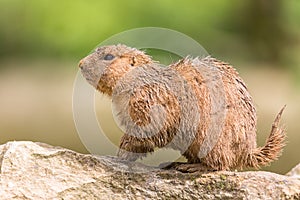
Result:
pixel 39 171
pixel 295 172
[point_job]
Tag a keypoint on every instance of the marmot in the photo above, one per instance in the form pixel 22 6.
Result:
pixel 199 106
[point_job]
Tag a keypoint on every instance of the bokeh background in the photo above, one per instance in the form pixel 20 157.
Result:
pixel 42 41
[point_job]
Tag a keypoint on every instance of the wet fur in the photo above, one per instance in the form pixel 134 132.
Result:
pixel 121 79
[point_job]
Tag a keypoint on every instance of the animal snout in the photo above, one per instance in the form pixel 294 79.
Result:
pixel 80 64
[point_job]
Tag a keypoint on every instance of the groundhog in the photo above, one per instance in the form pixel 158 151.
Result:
pixel 199 106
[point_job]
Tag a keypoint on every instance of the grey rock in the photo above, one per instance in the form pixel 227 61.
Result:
pixel 31 170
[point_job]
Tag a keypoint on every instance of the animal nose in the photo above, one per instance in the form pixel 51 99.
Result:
pixel 80 64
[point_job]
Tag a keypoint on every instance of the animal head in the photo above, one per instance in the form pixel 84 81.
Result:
pixel 107 64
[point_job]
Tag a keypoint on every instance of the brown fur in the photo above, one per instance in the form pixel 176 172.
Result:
pixel 137 84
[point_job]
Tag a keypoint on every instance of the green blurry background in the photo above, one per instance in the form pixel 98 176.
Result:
pixel 42 41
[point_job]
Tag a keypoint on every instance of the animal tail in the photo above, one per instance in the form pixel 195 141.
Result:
pixel 262 156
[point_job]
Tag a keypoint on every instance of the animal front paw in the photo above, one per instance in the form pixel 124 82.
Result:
pixel 130 156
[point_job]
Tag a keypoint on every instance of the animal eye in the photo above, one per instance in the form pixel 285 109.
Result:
pixel 109 57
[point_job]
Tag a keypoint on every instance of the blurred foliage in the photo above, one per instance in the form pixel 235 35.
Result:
pixel 253 29
pixel 262 24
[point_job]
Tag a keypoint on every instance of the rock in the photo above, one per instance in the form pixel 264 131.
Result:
pixel 295 172
pixel 39 171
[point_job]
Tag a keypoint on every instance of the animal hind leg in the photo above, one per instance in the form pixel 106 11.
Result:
pixel 187 167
